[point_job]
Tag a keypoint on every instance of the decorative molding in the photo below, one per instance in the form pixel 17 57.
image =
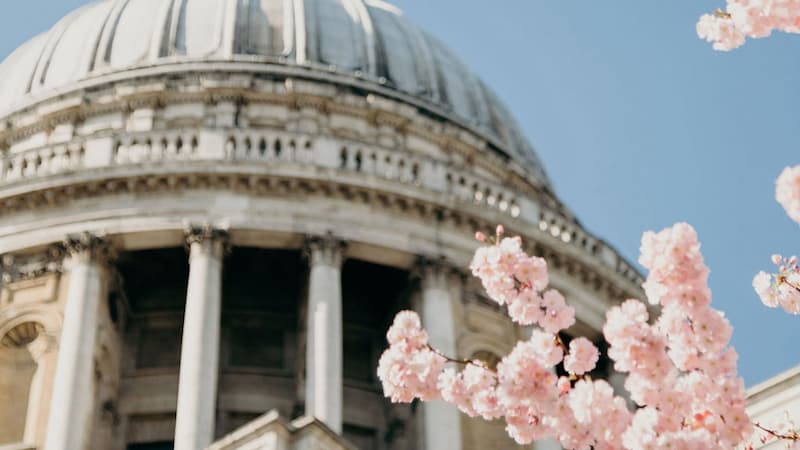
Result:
pixel 16 268
pixel 608 280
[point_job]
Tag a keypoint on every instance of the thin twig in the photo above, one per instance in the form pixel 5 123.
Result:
pixel 455 360
pixel 789 437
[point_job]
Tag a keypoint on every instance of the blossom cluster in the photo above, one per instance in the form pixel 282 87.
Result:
pixel 782 288
pixel 681 372
pixel 409 368
pixel 517 280
pixel 743 19
pixel 787 191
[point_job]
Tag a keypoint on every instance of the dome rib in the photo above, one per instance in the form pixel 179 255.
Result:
pixel 367 39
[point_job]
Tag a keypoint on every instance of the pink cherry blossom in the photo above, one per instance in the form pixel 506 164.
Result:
pixel 720 31
pixel 781 289
pixel 409 369
pixel 582 357
pixel 557 314
pixel 743 19
pixel 680 369
pixel 515 279
pixel 787 191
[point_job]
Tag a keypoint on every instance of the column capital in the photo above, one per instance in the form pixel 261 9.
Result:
pixel 14 267
pixel 326 250
pixel 87 247
pixel 206 238
pixel 205 232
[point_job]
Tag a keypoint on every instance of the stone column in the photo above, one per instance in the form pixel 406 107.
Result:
pixel 44 351
pixel 72 401
pixel 197 383
pixel 324 331
pixel 442 422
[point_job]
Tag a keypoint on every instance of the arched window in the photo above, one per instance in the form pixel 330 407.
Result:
pixel 17 368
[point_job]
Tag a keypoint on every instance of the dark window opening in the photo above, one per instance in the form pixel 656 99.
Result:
pixel 363 437
pixel 259 345
pixel 164 445
pixel 158 347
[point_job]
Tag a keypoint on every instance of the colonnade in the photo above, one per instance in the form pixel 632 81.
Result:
pixel 70 418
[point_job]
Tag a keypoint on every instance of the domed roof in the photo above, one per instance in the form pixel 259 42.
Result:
pixel 368 41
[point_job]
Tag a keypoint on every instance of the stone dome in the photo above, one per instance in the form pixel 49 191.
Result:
pixel 212 209
pixel 366 44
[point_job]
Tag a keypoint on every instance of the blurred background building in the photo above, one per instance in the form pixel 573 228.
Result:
pixel 210 211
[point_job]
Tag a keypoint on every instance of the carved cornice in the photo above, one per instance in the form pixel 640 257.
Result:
pixel 599 279
pixel 24 267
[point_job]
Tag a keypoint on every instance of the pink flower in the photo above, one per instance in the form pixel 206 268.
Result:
pixel 582 356
pixel 546 348
pixel 681 371
pixel 407 328
pixel 408 375
pixel 748 19
pixel 557 314
pixel 787 191
pixel 781 289
pixel 719 31
pixel 408 369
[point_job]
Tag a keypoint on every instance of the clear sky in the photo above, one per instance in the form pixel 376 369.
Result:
pixel 639 124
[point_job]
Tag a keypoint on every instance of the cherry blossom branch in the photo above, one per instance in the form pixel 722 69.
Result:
pixel 535 402
pixel 793 436
pixel 454 360
pixel 745 19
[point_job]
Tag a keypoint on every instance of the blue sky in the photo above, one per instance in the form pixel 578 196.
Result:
pixel 639 124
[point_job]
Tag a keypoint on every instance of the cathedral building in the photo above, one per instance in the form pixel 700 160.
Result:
pixel 210 211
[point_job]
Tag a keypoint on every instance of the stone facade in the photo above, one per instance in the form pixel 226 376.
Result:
pixel 775 404
pixel 191 242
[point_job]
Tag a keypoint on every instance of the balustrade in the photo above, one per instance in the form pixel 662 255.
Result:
pixel 156 147
pixel 260 146
pixel 285 147
pixel 40 162
pixel 469 188
pixel 382 163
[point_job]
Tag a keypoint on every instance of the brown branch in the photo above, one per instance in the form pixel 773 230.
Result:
pixel 783 279
pixel 456 360
pixel 722 14
pixel 793 436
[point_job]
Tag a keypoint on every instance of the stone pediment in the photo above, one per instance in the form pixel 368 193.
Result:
pixel 271 432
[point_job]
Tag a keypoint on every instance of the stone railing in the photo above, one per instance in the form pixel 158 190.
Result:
pixel 382 163
pixel 41 162
pixel 280 147
pixel 268 146
pixel 154 147
pixel 571 233
pixel 469 188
